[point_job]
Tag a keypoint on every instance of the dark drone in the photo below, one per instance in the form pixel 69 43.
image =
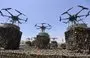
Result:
pixel 43 27
pixel 14 18
pixel 73 18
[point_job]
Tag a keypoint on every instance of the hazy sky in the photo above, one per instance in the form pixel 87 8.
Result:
pixel 47 11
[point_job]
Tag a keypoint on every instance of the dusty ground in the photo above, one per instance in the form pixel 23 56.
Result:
pixel 31 50
pixel 58 51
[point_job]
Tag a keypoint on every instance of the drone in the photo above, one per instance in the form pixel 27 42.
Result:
pixel 74 18
pixel 54 38
pixel 43 27
pixel 14 18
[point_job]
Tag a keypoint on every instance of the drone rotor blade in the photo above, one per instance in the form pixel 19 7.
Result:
pixel 26 19
pixel 38 28
pixel 69 9
pixel 6 16
pixel 43 23
pixel 1 13
pixel 65 22
pixel 49 25
pixel 63 13
pixel 79 20
pixel 88 14
pixel 6 9
pixel 81 15
pixel 19 12
pixel 35 25
pixel 21 19
pixel 66 11
pixel 19 22
pixel 48 28
pixel 82 7
pixel 60 18
pixel 65 19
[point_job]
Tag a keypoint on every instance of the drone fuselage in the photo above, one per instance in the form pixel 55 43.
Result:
pixel 15 18
pixel 73 18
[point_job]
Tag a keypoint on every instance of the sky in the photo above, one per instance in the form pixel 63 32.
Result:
pixel 44 11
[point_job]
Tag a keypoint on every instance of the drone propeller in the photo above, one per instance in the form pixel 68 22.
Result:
pixel 4 15
pixel 19 22
pixel 69 9
pixel 60 18
pixel 63 19
pixel 26 19
pixel 36 25
pixel 88 14
pixel 1 13
pixel 6 9
pixel 66 22
pixel 66 11
pixel 82 7
pixel 43 23
pixel 49 26
pixel 81 20
pixel 81 15
pixel 19 12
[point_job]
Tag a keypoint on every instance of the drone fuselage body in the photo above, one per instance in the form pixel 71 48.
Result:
pixel 15 18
